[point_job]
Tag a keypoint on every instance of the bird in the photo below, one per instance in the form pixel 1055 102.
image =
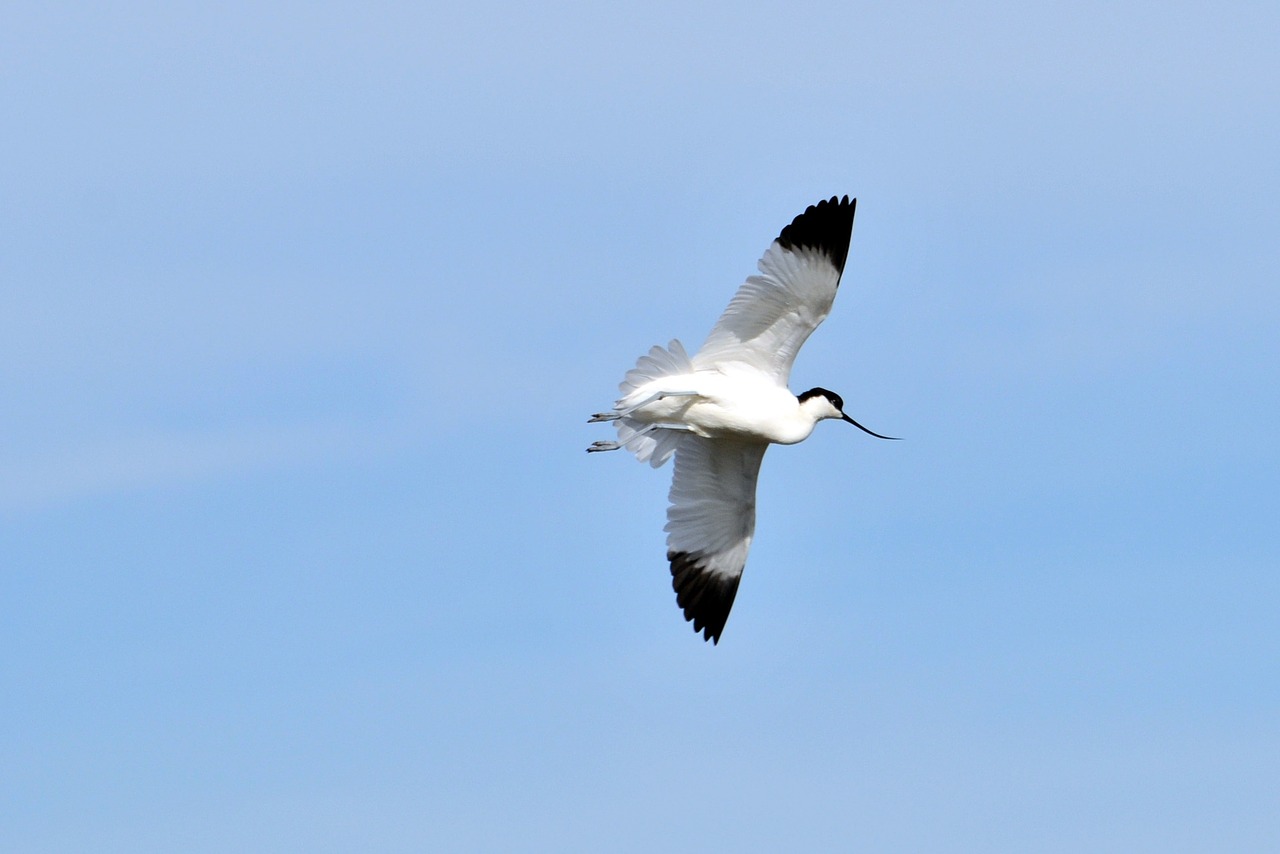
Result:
pixel 718 411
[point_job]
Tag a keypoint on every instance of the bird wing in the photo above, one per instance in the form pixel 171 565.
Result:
pixel 710 524
pixel 772 314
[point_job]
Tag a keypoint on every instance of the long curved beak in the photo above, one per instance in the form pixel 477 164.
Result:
pixel 844 417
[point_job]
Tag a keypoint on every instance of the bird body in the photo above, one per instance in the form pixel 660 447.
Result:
pixel 724 404
pixel 718 412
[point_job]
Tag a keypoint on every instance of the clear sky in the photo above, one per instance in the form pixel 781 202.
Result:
pixel 303 307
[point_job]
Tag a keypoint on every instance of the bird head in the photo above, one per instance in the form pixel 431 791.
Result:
pixel 823 403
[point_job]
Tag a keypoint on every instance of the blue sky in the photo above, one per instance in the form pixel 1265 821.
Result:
pixel 304 307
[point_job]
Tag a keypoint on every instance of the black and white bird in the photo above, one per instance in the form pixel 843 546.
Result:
pixel 718 411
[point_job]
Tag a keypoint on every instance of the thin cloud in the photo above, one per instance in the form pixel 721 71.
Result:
pixel 165 460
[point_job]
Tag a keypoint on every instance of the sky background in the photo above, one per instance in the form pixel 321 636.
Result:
pixel 303 307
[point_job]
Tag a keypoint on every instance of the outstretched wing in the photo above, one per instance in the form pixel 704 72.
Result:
pixel 710 523
pixel 772 314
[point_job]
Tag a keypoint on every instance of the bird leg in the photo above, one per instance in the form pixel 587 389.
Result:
pixel 596 447
pixel 623 413
pixel 613 446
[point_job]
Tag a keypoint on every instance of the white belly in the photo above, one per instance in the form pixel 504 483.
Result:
pixel 723 405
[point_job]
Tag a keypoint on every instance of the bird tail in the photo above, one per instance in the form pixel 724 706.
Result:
pixel 659 362
pixel 650 444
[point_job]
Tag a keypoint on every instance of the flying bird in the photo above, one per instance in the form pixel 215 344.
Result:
pixel 718 411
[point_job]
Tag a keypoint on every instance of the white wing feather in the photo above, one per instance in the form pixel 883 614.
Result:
pixel 773 314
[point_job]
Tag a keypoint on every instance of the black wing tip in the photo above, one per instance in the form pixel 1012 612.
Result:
pixel 826 226
pixel 705 597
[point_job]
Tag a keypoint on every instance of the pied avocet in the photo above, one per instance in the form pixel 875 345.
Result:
pixel 718 411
